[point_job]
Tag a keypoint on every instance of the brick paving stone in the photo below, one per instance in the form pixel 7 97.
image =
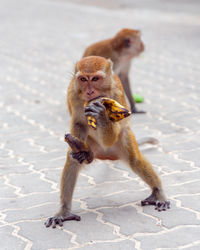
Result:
pixel 125 244
pixel 9 239
pixel 39 46
pixel 179 236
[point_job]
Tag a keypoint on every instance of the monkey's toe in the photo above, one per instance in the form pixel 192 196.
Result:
pixel 162 206
pixel 135 111
pixel 71 216
pixel 53 221
pixel 159 205
pixel 58 220
pixel 149 201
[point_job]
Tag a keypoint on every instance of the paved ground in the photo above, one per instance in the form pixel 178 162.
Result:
pixel 40 42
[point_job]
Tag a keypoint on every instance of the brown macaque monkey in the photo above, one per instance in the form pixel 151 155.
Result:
pixel 121 49
pixel 94 78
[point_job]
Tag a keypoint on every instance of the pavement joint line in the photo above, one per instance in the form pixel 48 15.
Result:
pixel 35 73
pixel 179 205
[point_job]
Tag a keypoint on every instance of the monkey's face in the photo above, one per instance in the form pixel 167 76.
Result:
pixel 93 76
pixel 90 85
pixel 133 45
pixel 128 42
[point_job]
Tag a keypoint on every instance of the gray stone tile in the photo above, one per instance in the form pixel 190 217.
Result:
pixel 9 240
pixel 43 238
pixel 38 52
pixel 96 229
pixel 130 220
pixel 120 245
pixel 162 240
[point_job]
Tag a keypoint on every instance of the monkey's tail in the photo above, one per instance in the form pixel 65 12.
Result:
pixel 145 140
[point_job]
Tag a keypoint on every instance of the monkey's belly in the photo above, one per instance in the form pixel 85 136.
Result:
pixel 101 153
pixel 105 156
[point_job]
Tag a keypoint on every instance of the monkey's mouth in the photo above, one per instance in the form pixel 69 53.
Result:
pixel 97 97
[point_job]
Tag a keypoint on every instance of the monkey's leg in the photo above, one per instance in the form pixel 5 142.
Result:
pixel 145 170
pixel 68 181
pixel 126 85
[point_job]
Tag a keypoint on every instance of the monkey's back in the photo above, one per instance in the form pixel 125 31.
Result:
pixel 102 48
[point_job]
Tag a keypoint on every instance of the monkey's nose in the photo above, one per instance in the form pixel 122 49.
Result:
pixel 89 93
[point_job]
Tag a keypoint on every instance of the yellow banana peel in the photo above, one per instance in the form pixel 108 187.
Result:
pixel 115 111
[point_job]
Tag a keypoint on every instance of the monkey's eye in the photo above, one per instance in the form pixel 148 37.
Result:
pixel 83 79
pixel 127 42
pixel 95 78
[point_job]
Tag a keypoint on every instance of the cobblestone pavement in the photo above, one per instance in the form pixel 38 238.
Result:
pixel 40 42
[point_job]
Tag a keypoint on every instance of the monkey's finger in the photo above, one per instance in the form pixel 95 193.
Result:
pixel 91 109
pixel 90 113
pixel 99 105
pixel 60 222
pixel 76 155
pixel 54 222
pixel 48 222
pixel 81 159
pixel 157 205
pixel 72 217
pixel 80 156
pixel 162 206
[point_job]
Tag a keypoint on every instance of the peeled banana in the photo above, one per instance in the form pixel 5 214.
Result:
pixel 115 111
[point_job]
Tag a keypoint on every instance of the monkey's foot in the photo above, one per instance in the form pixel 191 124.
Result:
pixel 135 111
pixel 162 205
pixel 159 205
pixel 58 220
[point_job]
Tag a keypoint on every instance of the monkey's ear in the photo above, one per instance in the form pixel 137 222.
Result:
pixel 76 67
pixel 111 64
pixel 138 32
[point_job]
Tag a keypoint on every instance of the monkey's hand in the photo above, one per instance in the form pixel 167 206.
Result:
pixel 82 156
pixel 80 149
pixel 59 219
pixel 98 111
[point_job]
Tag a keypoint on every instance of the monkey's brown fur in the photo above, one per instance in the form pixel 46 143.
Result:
pixel 121 49
pixel 93 77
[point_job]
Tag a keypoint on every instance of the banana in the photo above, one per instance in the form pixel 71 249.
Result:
pixel 92 122
pixel 115 111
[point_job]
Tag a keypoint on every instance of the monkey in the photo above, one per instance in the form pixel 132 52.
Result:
pixel 94 78
pixel 121 49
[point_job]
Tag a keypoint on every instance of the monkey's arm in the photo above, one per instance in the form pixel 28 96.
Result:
pixel 127 89
pixel 108 130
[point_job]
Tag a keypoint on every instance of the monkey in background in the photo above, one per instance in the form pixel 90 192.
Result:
pixel 94 78
pixel 121 49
